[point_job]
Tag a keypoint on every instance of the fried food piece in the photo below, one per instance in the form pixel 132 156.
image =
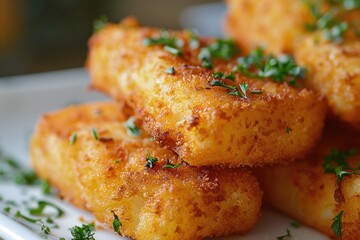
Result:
pixel 303 191
pixel 335 73
pixel 276 24
pixel 333 67
pixel 202 123
pixel 152 203
pixel 279 25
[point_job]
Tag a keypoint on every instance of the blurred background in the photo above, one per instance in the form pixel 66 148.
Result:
pixel 47 35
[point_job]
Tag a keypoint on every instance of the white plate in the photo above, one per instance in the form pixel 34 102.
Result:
pixel 22 100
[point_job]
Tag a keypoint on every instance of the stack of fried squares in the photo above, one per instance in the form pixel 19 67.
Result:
pixel 171 156
pixel 322 189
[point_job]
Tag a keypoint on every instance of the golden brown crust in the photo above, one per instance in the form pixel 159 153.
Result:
pixel 335 73
pixel 304 192
pixel 183 203
pixel 49 150
pixel 280 25
pixel 276 24
pixel 203 124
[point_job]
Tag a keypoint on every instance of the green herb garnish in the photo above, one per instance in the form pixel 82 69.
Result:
pixel 336 163
pixel 280 69
pixel 221 75
pixel 132 128
pixel 257 92
pixel 95 134
pixel 85 232
pixel 116 223
pixel 170 44
pixel 45 186
pixel 44 228
pixel 100 23
pixel 170 70
pixel 73 138
pixel 336 225
pixel 172 166
pixel 232 90
pixel 295 224
pixel 286 236
pixel 150 161
pixel 221 48
pixel 288 130
pixel 41 207
pixel 328 22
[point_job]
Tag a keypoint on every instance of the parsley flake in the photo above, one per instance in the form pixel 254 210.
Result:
pixel 221 48
pixel 95 134
pixel 100 23
pixel 232 90
pixel 172 166
pixel 280 69
pixel 85 232
pixel 131 127
pixel 295 224
pixel 286 236
pixel 116 223
pixel 336 225
pixel 73 138
pixel 150 161
pixel 45 186
pixel 170 44
pixel 336 163
pixel 288 130
pixel 328 22
pixel 170 70
pixel 41 207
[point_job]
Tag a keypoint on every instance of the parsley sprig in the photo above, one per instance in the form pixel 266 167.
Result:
pixel 132 128
pixel 85 232
pixel 280 69
pixel 336 163
pixel 100 23
pixel 221 49
pixel 336 225
pixel 172 166
pixel 116 223
pixel 169 43
pixel 150 161
pixel 329 21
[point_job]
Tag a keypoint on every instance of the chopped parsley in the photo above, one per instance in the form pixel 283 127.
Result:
pixel 95 134
pixel 45 187
pixel 73 138
pixel 116 223
pixel 285 236
pixel 336 163
pixel 232 90
pixel 131 127
pixel 288 130
pixel 100 23
pixel 295 224
pixel 170 70
pixel 221 48
pixel 328 22
pixel 221 75
pixel 85 232
pixel 257 92
pixel 170 44
pixel 280 69
pixel 336 225
pixel 150 161
pixel 172 166
pixel 44 228
pixel 41 207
